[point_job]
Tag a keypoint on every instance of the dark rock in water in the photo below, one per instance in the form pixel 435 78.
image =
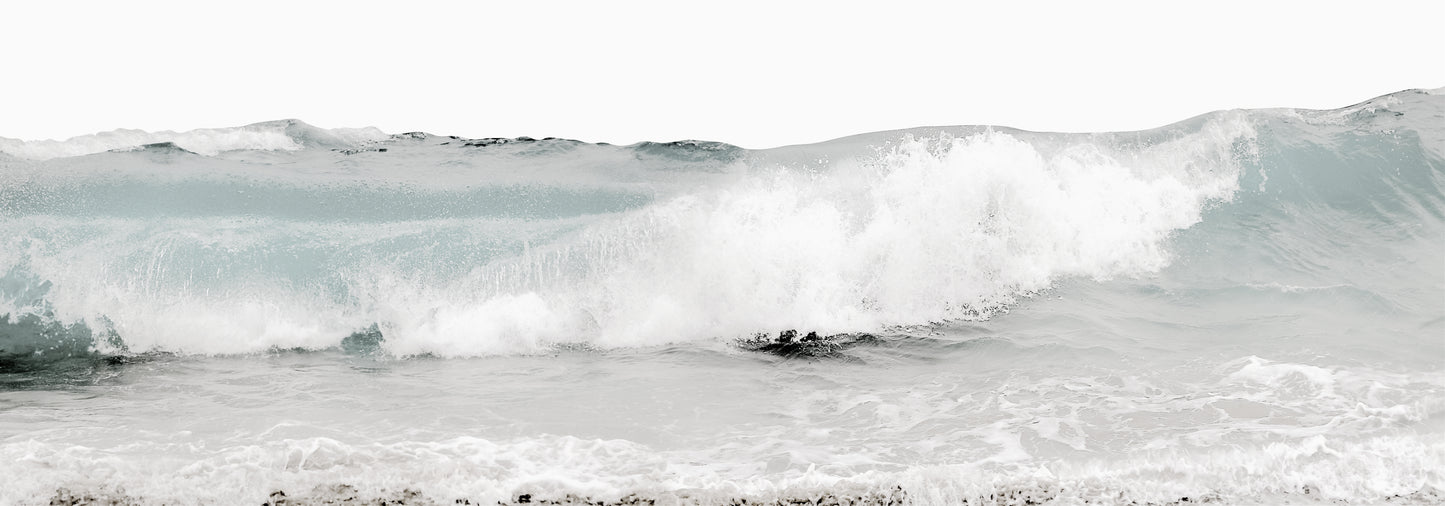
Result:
pixel 363 342
pixel 788 345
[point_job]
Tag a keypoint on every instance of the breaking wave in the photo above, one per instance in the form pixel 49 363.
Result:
pixel 281 235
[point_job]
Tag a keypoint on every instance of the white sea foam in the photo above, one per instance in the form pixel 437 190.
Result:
pixel 554 467
pixel 1199 341
pixel 1073 430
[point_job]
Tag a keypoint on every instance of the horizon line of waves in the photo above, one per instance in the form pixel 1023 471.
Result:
pixel 279 135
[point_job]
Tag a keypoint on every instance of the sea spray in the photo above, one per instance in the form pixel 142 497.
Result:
pixel 1242 307
pixel 928 229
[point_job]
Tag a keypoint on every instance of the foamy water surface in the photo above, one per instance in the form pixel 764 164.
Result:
pixel 1245 307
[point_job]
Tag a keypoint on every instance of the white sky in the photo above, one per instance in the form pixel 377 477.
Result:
pixel 756 74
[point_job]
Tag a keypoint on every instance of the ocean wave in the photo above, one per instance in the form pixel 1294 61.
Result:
pixel 512 247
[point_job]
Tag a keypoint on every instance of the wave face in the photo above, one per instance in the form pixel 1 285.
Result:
pixel 1242 307
pixel 456 247
pixel 281 235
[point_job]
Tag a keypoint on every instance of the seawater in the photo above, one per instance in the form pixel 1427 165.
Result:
pixel 1246 307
